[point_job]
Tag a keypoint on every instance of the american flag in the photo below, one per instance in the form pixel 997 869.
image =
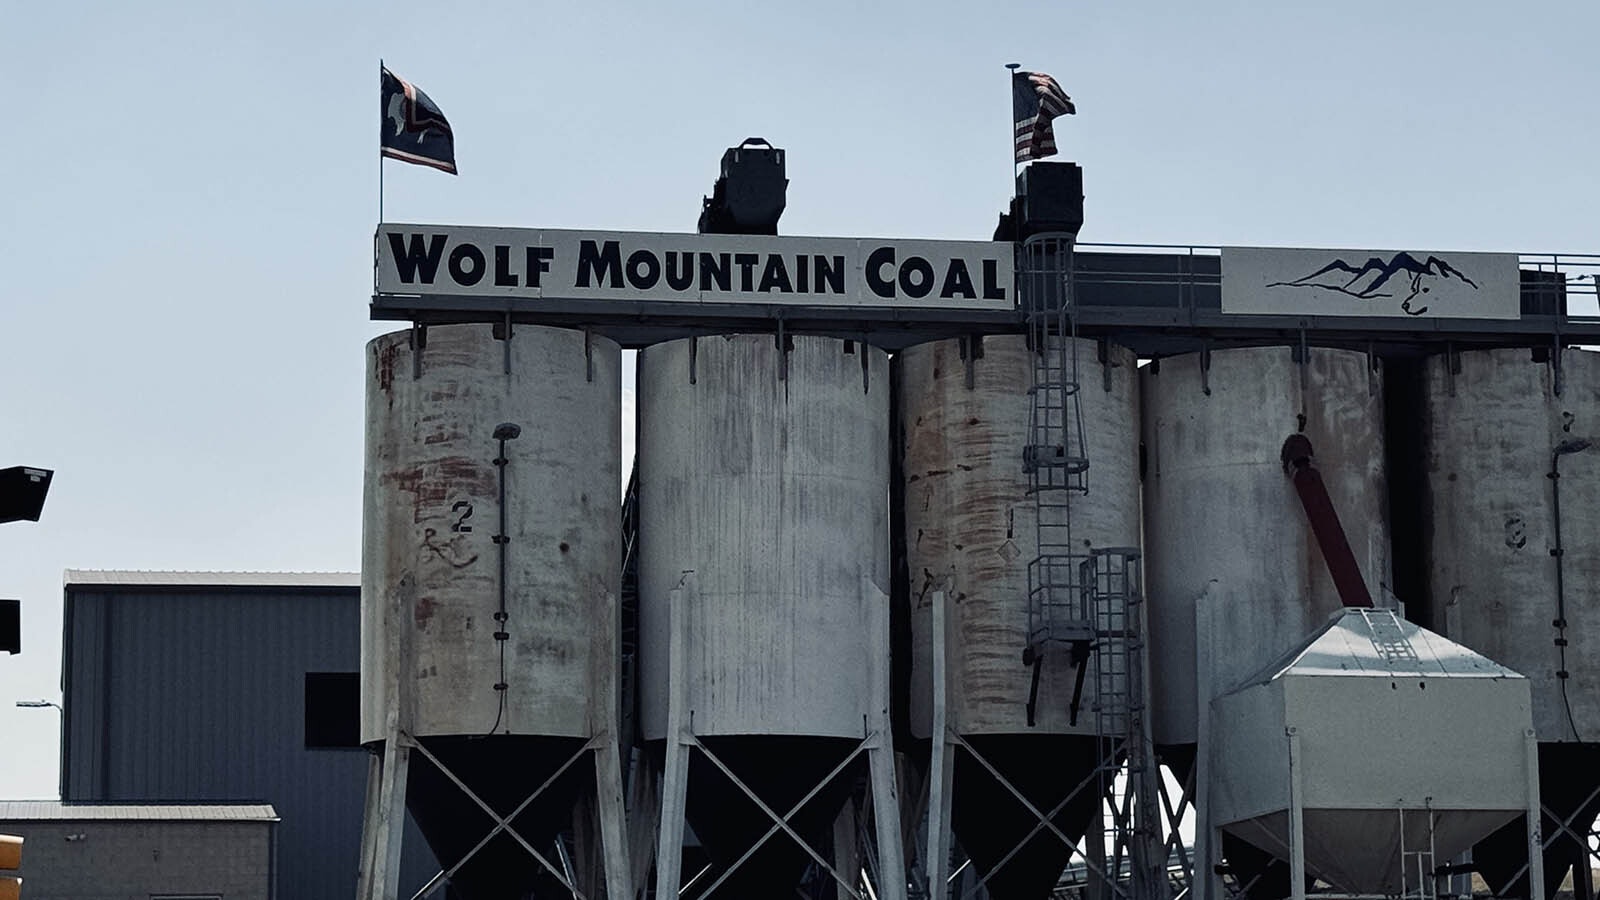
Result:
pixel 1036 99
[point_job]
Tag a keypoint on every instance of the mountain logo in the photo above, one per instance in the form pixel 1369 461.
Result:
pixel 1368 281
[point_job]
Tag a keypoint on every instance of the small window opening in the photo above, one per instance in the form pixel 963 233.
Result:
pixel 333 710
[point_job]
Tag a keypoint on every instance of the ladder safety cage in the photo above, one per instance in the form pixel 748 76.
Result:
pixel 1086 601
pixel 1055 457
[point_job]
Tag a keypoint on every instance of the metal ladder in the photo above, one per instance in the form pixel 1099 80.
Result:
pixel 1128 776
pixel 1417 878
pixel 1084 601
pixel 1055 457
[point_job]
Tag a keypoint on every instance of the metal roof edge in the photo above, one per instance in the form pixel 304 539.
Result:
pixel 60 811
pixel 111 579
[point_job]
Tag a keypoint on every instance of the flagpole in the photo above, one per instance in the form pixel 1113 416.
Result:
pixel 1011 74
pixel 380 143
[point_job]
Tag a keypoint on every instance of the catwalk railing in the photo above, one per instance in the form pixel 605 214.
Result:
pixel 1162 296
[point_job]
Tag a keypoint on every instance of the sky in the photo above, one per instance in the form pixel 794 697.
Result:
pixel 190 192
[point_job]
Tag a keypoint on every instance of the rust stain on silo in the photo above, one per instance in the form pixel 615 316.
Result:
pixel 386 361
pixel 444 477
pixel 407 480
pixel 461 473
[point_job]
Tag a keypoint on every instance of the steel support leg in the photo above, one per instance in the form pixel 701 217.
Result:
pixel 675 777
pixel 369 828
pixel 1297 822
pixel 880 749
pixel 1535 819
pixel 387 773
pixel 1148 854
pixel 644 820
pixel 886 820
pixel 1207 838
pixel 942 762
pixel 610 809
pixel 391 826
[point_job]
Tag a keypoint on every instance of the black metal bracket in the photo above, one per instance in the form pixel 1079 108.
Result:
pixel 419 342
pixel 1555 364
pixel 1080 659
pixel 783 352
pixel 505 335
pixel 1036 661
pixel 971 348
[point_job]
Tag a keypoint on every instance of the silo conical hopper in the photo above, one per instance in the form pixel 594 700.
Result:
pixel 1514 567
pixel 763 577
pixel 490 574
pixel 1319 751
pixel 970 533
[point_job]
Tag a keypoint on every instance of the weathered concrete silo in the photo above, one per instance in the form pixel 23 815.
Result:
pixel 490 572
pixel 1512 512
pixel 763 579
pixel 1224 529
pixel 970 533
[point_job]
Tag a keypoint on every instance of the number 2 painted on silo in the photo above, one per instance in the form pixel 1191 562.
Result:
pixel 459 525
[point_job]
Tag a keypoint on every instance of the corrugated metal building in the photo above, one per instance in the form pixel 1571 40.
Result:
pixel 226 687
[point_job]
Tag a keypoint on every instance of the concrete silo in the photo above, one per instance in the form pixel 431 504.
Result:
pixel 763 590
pixel 1225 534
pixel 970 534
pixel 489 615
pixel 1511 512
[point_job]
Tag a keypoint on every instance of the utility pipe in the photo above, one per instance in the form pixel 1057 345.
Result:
pixel 1324 519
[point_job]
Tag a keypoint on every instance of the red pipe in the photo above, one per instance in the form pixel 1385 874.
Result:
pixel 1324 521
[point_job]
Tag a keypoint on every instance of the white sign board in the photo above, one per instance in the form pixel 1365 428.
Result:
pixel 530 263
pixel 1292 282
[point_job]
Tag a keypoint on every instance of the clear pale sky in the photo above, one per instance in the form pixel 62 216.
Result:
pixel 190 191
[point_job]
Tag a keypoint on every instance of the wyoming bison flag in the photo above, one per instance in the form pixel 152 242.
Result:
pixel 413 129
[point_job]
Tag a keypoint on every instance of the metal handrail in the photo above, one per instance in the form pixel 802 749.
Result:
pixel 1576 294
